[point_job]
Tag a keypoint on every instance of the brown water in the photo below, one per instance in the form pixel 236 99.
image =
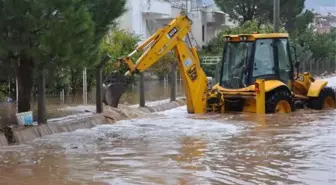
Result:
pixel 176 148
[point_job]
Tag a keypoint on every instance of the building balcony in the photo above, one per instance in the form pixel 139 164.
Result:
pixel 215 17
pixel 156 8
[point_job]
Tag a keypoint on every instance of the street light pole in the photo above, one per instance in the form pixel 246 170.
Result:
pixel 276 15
pixel 186 2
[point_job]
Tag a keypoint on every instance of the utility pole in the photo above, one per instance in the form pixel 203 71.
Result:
pixel 142 90
pixel 276 15
pixel 186 5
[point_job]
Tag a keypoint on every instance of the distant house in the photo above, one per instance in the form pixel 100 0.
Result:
pixel 324 23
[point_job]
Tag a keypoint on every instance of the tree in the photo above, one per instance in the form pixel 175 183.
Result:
pixel 103 13
pixel 289 12
pixel 163 65
pixel 44 34
pixel 301 23
pixel 215 45
pixel 262 10
pixel 241 10
pixel 119 43
pixel 36 35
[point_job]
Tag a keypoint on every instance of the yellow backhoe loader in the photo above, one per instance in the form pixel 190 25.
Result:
pixel 257 73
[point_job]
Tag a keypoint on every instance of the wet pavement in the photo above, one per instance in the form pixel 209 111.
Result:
pixel 176 148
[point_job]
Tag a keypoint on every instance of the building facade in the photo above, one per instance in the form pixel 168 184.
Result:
pixel 144 17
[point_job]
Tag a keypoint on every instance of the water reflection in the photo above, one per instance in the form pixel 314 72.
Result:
pixel 36 167
pixel 189 158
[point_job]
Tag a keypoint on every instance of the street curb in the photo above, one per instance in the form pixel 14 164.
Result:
pixel 23 135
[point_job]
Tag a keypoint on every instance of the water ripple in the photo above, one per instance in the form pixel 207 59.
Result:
pixel 176 148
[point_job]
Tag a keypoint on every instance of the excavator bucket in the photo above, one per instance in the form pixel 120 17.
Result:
pixel 113 88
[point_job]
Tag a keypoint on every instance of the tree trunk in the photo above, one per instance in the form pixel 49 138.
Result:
pixel 42 113
pixel 25 82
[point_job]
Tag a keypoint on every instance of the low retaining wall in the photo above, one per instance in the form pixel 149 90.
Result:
pixel 22 135
pixel 164 106
pixel 3 140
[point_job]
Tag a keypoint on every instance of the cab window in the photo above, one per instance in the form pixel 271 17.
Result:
pixel 264 58
pixel 284 61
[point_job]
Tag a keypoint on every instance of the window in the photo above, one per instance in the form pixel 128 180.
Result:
pixel 264 58
pixel 235 62
pixel 285 68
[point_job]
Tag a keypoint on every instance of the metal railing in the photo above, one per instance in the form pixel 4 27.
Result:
pixel 210 60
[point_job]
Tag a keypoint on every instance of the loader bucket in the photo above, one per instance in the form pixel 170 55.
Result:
pixel 114 87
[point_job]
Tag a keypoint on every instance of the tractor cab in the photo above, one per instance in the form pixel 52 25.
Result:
pixel 247 58
pixel 252 56
pixel 257 75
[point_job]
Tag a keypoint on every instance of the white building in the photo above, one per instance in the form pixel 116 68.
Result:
pixel 143 17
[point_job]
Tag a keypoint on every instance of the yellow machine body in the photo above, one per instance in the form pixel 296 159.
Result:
pixel 263 94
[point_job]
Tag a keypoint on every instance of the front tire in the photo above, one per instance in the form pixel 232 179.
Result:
pixel 325 100
pixel 279 102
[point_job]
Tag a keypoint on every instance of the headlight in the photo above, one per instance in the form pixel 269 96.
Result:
pixel 243 38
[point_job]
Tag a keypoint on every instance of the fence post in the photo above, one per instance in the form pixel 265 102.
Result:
pixel 84 87
pixel 133 90
pixel 165 79
pixel 17 92
pixel 62 96
pixel 180 81
pixel 173 83
pixel 99 84
pixel 142 90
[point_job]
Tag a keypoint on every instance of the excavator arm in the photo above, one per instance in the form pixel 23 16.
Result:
pixel 170 38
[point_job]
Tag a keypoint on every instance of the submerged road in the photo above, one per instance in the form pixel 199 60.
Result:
pixel 176 148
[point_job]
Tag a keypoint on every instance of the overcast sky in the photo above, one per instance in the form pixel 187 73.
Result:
pixel 321 6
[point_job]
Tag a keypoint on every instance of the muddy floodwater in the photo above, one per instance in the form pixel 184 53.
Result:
pixel 176 148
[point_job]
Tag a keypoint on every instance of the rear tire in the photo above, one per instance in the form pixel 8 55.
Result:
pixel 326 99
pixel 279 101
